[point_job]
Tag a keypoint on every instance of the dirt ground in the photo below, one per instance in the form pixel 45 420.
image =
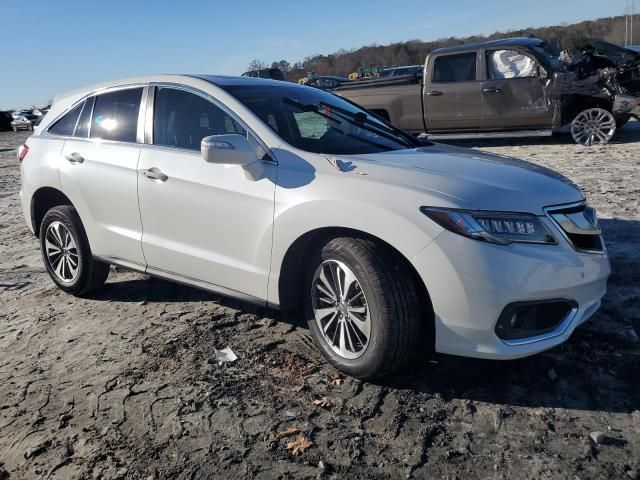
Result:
pixel 124 384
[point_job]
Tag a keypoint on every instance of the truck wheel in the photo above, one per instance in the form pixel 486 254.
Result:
pixel 593 126
pixel 66 253
pixel 362 308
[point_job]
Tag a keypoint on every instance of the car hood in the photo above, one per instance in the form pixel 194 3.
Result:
pixel 467 178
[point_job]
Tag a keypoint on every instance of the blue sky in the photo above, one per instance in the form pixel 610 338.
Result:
pixel 50 47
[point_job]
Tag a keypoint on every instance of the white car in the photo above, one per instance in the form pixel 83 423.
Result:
pixel 289 196
pixel 21 123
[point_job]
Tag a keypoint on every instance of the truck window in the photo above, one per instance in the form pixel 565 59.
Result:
pixel 503 64
pixel 460 67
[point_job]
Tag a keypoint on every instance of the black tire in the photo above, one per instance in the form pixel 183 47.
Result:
pixel 91 274
pixel 391 296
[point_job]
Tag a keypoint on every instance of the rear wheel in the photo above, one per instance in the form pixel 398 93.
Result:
pixel 362 307
pixel 66 253
pixel 594 126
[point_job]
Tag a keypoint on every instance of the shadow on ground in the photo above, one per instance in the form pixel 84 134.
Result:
pixel 612 359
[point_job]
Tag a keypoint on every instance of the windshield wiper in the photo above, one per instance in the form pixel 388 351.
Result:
pixel 360 118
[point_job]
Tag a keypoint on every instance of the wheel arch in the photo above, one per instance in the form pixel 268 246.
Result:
pixel 42 201
pixel 290 288
pixel 577 103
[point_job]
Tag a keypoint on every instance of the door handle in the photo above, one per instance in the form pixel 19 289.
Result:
pixel 155 174
pixel 491 90
pixel 74 158
pixel 434 93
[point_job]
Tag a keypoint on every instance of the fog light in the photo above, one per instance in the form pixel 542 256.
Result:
pixel 529 319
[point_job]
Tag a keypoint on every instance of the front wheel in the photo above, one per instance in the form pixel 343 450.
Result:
pixel 593 126
pixel 362 307
pixel 66 253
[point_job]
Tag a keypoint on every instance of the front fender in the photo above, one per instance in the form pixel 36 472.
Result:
pixel 397 221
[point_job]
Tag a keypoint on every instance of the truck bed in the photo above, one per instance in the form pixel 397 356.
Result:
pixel 380 82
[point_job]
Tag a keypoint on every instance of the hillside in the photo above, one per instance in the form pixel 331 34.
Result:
pixel 414 51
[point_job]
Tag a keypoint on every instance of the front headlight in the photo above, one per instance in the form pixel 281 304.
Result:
pixel 496 227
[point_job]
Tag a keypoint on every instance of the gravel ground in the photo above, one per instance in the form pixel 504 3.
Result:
pixel 124 385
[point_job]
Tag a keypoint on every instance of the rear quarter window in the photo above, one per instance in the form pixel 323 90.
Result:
pixel 67 123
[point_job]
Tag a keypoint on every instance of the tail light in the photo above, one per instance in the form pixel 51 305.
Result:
pixel 22 151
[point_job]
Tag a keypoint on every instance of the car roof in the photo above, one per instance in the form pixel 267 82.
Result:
pixel 228 80
pixel 503 42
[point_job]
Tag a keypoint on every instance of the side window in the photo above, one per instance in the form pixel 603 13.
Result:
pixel 503 64
pixel 182 119
pixel 67 123
pixel 82 130
pixel 115 115
pixel 455 68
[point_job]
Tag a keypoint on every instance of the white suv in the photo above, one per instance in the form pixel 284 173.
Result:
pixel 289 196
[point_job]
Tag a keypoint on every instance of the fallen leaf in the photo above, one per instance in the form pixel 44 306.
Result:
pixel 299 445
pixel 297 388
pixel 337 381
pixel 325 402
pixel 288 432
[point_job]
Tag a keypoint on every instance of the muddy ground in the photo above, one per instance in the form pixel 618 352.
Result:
pixel 124 385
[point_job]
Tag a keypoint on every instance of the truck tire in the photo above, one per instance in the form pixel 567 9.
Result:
pixel 66 253
pixel 361 306
pixel 593 126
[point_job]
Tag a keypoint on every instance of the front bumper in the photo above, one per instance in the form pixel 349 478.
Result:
pixel 471 282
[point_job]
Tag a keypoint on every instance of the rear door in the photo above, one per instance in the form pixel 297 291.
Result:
pixel 99 173
pixel 452 92
pixel 513 93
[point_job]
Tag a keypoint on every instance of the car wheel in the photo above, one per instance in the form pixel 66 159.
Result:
pixel 66 253
pixel 594 126
pixel 361 305
pixel 14 128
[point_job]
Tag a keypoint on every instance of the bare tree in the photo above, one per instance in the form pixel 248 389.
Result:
pixel 257 65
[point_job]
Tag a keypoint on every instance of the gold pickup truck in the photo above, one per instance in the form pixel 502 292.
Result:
pixel 510 87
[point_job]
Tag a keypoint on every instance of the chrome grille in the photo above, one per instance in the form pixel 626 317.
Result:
pixel 579 223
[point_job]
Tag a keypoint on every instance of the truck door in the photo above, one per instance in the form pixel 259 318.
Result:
pixel 513 93
pixel 452 92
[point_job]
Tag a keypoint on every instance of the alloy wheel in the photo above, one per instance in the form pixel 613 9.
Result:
pixel 61 252
pixel 340 309
pixel 594 126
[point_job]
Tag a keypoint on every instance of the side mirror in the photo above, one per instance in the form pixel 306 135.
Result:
pixel 229 149
pixel 233 149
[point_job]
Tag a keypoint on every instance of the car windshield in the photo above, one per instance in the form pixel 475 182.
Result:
pixel 320 122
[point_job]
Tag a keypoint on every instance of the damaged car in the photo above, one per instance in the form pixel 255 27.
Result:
pixel 510 87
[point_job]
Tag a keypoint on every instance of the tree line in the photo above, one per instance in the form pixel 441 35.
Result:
pixel 413 52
